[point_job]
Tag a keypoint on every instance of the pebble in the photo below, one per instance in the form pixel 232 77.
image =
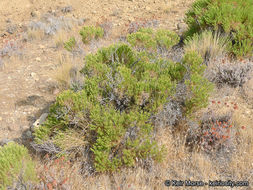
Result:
pixel 34 76
pixel 41 46
pixel 11 29
pixel 1 118
pixel 39 121
pixel 67 9
pixel 38 59
pixel 35 13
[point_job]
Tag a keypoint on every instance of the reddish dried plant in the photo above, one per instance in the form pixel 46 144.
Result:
pixel 215 135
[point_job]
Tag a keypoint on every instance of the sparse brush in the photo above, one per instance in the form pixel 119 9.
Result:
pixel 70 44
pixel 91 32
pixel 208 44
pixel 67 74
pixel 212 134
pixel 56 174
pixel 137 25
pixel 170 115
pixel 231 74
pixel 60 37
pixel 33 34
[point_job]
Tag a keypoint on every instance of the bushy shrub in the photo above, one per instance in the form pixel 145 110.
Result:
pixel 15 163
pixel 234 18
pixel 112 114
pixel 198 87
pixel 91 32
pixel 149 39
pixel 70 44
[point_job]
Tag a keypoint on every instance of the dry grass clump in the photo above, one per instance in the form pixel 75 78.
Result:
pixel 67 72
pixel 62 36
pixel 208 44
pixel 33 34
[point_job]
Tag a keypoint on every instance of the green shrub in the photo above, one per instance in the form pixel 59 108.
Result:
pixel 14 162
pixel 122 89
pixel 149 39
pixel 233 17
pixel 90 32
pixel 70 44
pixel 166 38
pixel 198 86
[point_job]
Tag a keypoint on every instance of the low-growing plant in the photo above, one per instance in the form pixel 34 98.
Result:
pixel 235 18
pixel 231 74
pixel 147 38
pixel 15 163
pixel 216 135
pixel 55 174
pixel 91 32
pixel 70 44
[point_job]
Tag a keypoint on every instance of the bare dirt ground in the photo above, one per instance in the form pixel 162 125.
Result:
pixel 25 86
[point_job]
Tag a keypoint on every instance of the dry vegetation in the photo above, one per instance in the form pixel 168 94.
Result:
pixel 212 143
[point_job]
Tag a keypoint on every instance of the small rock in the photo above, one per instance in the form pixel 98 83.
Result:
pixel 35 13
pixel 1 118
pixel 34 76
pixel 8 20
pixel 67 9
pixel 38 59
pixel 41 47
pixel 11 29
pixel 181 27
pixel 39 121
pixel 130 19
pixel 43 118
pixel 3 34
pixel 148 8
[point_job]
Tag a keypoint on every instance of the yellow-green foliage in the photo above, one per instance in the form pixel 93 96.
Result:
pixel 233 17
pixel 122 89
pixel 149 39
pixel 198 86
pixel 15 161
pixel 91 32
pixel 70 44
